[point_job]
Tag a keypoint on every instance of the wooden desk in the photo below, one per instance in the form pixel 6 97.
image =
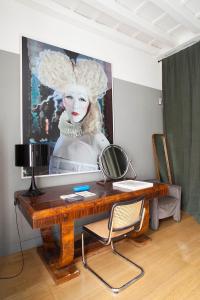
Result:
pixel 48 209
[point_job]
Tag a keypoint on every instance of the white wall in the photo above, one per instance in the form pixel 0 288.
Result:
pixel 128 64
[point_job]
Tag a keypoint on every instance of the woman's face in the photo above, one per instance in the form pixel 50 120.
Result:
pixel 76 103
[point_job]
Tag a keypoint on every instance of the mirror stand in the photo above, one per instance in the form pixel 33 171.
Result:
pixel 133 170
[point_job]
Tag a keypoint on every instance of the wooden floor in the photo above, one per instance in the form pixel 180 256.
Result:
pixel 171 263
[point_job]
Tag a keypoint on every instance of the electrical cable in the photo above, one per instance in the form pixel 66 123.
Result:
pixel 22 254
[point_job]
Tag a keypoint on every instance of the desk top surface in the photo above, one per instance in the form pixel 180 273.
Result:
pixel 50 205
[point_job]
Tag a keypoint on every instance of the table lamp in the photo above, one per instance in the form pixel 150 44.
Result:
pixel 32 155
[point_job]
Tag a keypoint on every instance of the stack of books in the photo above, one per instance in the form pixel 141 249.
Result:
pixel 131 185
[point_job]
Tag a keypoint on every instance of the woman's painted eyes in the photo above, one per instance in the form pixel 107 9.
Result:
pixel 82 99
pixel 69 97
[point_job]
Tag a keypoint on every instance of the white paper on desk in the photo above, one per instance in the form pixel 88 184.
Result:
pixel 86 194
pixel 131 185
pixel 69 196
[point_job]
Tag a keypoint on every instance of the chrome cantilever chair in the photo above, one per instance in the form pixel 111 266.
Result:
pixel 125 217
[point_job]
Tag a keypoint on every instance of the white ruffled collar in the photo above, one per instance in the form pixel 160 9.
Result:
pixel 67 128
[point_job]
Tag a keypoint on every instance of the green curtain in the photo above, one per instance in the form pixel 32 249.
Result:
pixel 181 98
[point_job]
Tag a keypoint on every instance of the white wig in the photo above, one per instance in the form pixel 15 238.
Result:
pixel 56 70
pixel 90 74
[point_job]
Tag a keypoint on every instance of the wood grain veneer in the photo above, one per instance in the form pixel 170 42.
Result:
pixel 49 209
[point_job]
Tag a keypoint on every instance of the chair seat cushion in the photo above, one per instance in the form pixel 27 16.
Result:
pixel 167 206
pixel 100 230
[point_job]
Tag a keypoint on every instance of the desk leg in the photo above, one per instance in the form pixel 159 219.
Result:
pixel 48 251
pixel 66 243
pixel 59 263
pixel 48 239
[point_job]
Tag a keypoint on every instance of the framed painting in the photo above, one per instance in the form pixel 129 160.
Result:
pixel 67 104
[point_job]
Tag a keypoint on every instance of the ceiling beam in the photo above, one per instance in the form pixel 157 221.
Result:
pixel 189 43
pixel 130 18
pixel 51 8
pixel 179 13
pixel 73 5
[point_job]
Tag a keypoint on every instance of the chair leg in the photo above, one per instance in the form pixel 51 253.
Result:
pixel 113 289
pixel 154 215
pixel 84 260
pixel 133 263
pixel 83 250
pixel 177 214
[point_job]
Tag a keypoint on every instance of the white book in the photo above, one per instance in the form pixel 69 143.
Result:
pixel 85 194
pixel 131 185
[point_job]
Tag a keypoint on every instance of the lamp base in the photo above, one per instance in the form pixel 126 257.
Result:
pixel 33 190
pixel 32 193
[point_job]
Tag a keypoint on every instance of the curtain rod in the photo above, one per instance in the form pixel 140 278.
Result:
pixel 179 48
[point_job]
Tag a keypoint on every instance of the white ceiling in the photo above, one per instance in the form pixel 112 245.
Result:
pixel 155 26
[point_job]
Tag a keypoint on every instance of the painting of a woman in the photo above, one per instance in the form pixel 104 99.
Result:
pixel 80 84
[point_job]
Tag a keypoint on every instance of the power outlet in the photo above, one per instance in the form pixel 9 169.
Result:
pixel 160 101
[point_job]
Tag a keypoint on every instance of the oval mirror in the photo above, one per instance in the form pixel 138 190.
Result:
pixel 114 162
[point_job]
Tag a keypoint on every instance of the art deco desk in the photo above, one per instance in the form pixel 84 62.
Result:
pixel 49 209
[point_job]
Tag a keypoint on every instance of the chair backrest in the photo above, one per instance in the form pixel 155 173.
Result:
pixel 126 214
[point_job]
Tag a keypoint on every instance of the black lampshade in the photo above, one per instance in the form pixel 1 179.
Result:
pixel 31 155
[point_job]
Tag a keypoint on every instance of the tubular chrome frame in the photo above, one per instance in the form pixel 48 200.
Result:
pixel 106 243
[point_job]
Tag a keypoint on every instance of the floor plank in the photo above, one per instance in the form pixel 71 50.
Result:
pixel 171 262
